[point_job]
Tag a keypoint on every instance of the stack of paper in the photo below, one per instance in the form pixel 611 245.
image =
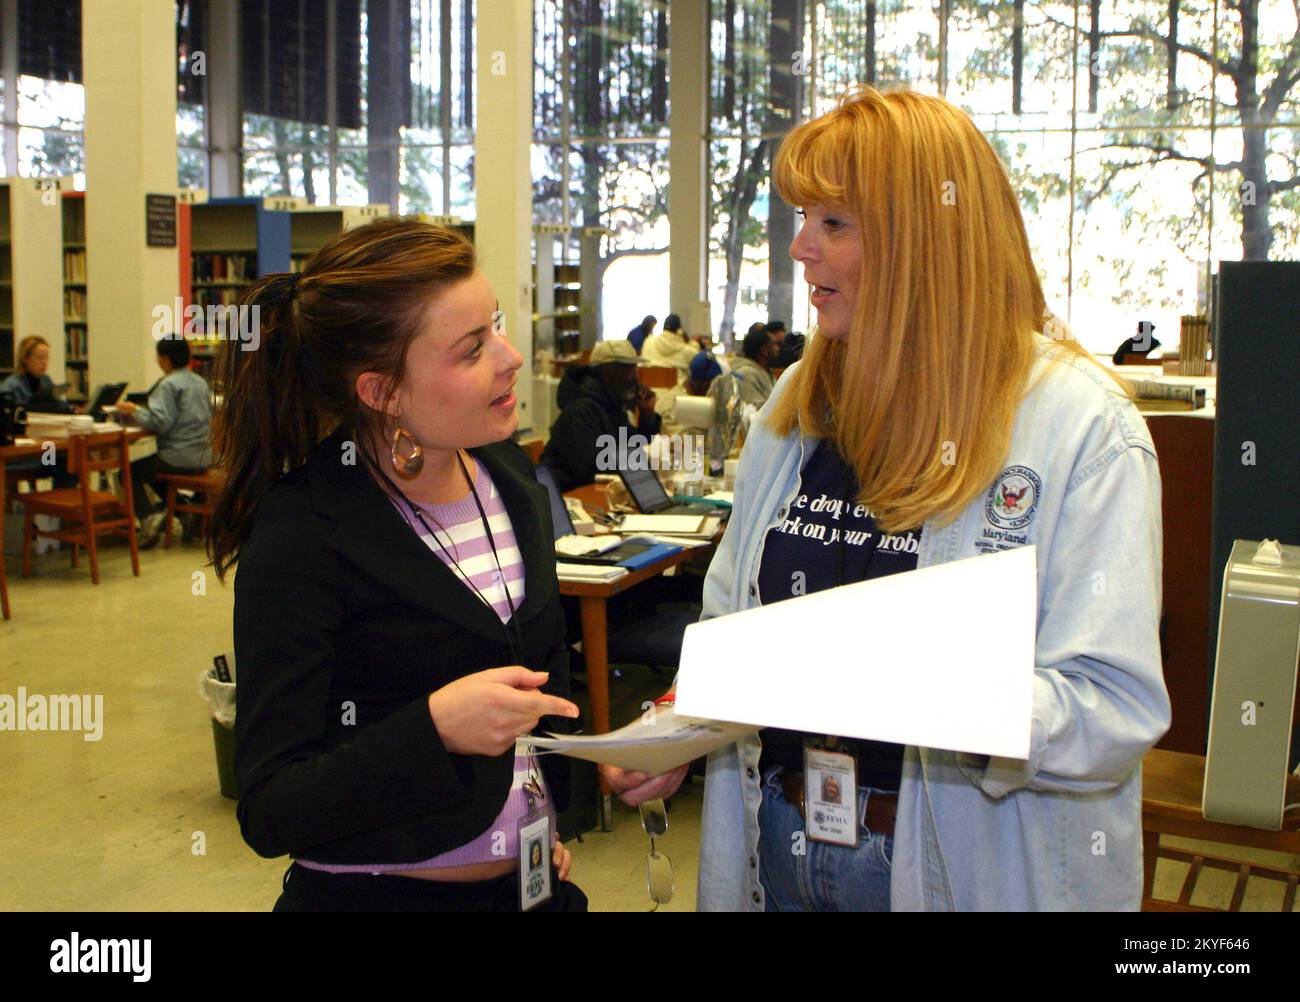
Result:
pixel 659 740
pixel 588 572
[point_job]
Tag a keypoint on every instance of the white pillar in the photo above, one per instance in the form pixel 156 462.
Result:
pixel 504 197
pixel 688 162
pixel 129 66
pixel 224 111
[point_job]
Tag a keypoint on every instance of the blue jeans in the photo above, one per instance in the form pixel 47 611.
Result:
pixel 800 875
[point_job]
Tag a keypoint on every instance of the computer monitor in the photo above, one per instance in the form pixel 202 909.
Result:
pixel 559 513
pixel 106 395
pixel 646 490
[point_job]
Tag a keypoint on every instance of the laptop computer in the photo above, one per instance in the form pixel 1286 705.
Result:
pixel 649 495
pixel 575 549
pixel 106 395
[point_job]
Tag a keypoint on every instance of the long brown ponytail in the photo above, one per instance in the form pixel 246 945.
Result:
pixel 355 308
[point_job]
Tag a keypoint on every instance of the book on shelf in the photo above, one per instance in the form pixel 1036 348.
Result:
pixel 222 295
pixel 74 305
pixel 74 342
pixel 74 266
pixel 214 266
pixel 78 384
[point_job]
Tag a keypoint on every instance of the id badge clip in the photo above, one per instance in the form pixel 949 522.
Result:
pixel 830 776
pixel 534 845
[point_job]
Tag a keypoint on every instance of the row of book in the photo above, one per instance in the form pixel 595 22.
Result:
pixel 74 305
pixel 216 267
pixel 74 222
pixel 220 296
pixel 74 343
pixel 78 384
pixel 74 266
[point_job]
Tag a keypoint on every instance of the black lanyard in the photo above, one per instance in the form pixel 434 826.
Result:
pixel 514 638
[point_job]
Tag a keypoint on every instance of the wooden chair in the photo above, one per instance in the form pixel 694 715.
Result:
pixel 1171 805
pixel 206 484
pixel 658 377
pixel 84 513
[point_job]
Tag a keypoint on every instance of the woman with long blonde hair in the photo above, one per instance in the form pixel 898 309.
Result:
pixel 939 413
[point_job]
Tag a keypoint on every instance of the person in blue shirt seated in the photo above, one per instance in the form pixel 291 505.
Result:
pixel 34 391
pixel 179 413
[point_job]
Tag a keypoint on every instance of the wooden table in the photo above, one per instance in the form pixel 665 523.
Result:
pixel 592 598
pixel 1171 805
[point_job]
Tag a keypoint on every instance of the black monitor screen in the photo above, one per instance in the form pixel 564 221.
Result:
pixel 559 513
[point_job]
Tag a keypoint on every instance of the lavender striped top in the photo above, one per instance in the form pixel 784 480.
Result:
pixel 460 530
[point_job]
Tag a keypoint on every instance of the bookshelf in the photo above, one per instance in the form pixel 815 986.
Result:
pixel 312 226
pixel 557 294
pixel 29 268
pixel 231 242
pixel 76 327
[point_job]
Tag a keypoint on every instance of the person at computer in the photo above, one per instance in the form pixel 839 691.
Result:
pixel 179 413
pixel 934 394
pixel 595 400
pixel 30 384
pixel 31 388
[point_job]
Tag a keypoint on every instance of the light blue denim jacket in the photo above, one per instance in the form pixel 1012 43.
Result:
pixel 1061 830
pixel 180 414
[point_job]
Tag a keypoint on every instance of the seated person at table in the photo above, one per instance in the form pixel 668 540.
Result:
pixel 752 368
pixel 708 377
pixel 34 391
pixel 641 331
pixel 29 385
pixel 670 348
pixel 594 403
pixel 179 413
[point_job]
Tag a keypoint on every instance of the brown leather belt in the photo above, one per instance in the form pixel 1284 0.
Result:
pixel 882 808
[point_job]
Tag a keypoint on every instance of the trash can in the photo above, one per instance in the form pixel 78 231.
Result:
pixel 220 697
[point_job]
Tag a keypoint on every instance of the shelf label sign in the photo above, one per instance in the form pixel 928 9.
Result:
pixel 160 220
pixel 282 203
pixel 49 187
pixel 192 196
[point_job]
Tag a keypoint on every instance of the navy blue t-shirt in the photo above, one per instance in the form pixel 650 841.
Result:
pixel 829 538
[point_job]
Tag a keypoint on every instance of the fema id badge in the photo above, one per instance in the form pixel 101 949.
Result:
pixel 534 861
pixel 830 796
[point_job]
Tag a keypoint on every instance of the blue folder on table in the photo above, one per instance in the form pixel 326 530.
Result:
pixel 648 556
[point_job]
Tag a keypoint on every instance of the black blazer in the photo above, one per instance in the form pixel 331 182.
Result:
pixel 345 622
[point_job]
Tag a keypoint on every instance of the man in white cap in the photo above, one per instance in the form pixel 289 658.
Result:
pixel 594 403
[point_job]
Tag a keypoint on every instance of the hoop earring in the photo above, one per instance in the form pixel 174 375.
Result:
pixel 411 464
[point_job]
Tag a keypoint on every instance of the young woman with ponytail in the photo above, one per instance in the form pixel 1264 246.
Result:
pixel 397 619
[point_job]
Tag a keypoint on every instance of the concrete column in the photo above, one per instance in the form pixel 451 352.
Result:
pixel 225 104
pixel 129 67
pixel 688 162
pixel 503 229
